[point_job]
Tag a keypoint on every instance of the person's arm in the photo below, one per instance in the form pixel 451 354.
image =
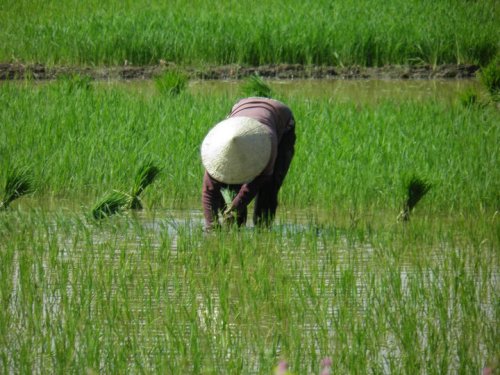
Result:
pixel 210 198
pixel 248 192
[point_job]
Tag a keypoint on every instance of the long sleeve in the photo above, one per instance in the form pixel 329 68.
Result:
pixel 249 191
pixel 211 200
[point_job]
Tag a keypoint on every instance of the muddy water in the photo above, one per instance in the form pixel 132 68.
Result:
pixel 360 91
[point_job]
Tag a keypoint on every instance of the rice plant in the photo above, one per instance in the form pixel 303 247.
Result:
pixel 490 77
pixel 19 182
pixel 110 205
pixel 132 297
pixel 171 83
pixel 101 132
pixel 146 175
pixel 197 35
pixel 416 189
pixel 469 98
pixel 254 85
pixel 75 82
pixel 228 219
pixel 228 195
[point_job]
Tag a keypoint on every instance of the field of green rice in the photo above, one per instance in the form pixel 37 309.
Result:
pixel 81 139
pixel 337 275
pixel 320 32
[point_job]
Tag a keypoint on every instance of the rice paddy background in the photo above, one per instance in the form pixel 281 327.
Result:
pixel 335 33
pixel 337 275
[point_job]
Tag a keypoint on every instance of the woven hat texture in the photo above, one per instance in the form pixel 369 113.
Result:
pixel 236 150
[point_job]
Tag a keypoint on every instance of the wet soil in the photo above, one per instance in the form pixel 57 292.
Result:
pixel 18 71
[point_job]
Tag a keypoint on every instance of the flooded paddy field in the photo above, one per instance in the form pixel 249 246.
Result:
pixel 151 292
pixel 337 275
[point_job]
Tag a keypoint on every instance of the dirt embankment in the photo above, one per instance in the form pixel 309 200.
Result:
pixel 278 71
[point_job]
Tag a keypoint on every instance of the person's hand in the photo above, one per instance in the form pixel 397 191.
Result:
pixel 229 216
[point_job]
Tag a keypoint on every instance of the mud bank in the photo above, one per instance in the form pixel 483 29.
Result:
pixel 18 71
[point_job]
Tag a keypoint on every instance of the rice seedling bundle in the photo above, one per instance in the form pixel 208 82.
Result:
pixel 110 204
pixel 145 176
pixel 228 196
pixel 416 189
pixel 118 201
pixel 19 182
pixel 171 83
pixel 255 85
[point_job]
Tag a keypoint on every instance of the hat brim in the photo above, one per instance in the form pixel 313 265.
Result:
pixel 236 150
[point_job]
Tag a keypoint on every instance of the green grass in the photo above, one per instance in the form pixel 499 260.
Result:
pixel 372 33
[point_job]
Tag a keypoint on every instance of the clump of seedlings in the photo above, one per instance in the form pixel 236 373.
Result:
pixel 490 78
pixel 254 85
pixel 118 201
pixel 19 182
pixel 76 82
pixel 171 82
pixel 228 195
pixel 146 175
pixel 416 190
pixel 469 99
pixel 110 205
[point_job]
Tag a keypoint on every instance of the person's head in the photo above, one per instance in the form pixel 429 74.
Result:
pixel 236 150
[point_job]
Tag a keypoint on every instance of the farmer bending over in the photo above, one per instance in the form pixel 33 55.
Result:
pixel 248 153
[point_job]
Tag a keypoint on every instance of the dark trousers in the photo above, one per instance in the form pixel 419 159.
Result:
pixel 266 201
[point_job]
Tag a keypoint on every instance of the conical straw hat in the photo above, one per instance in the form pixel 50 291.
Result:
pixel 236 150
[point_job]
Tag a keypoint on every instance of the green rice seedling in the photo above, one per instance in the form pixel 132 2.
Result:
pixel 110 205
pixel 181 300
pixel 490 77
pixel 469 98
pixel 146 175
pixel 19 183
pixel 254 85
pixel 416 189
pixel 171 82
pixel 74 82
pixel 228 195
